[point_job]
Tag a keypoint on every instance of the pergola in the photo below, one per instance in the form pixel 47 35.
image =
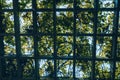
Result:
pixel 35 59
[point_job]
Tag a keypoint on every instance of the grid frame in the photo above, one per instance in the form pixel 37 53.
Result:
pixel 17 34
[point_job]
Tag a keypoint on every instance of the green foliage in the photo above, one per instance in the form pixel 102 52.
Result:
pixel 8 22
pixel 84 46
pixel 64 22
pixel 27 45
pixel 11 68
pixel 118 47
pixel 44 3
pixel 28 68
pixel 9 45
pixel 84 22
pixel 45 22
pixel 64 44
pixel 25 4
pixel 117 74
pixel 103 69
pixel 64 68
pixel 105 47
pixel 6 4
pixel 64 3
pixel 106 4
pixel 45 46
pixel 83 69
pixel 85 3
pixel 26 22
pixel 105 22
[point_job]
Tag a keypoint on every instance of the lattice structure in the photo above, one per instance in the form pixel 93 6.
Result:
pixel 59 40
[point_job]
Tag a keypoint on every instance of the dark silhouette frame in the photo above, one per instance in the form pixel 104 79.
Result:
pixel 35 35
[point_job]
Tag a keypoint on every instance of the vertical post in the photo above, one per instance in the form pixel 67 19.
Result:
pixel 2 31
pixel 34 7
pixel 94 36
pixel 17 38
pixel 55 50
pixel 74 40
pixel 114 39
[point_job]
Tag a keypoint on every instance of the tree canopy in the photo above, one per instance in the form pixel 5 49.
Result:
pixel 59 39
